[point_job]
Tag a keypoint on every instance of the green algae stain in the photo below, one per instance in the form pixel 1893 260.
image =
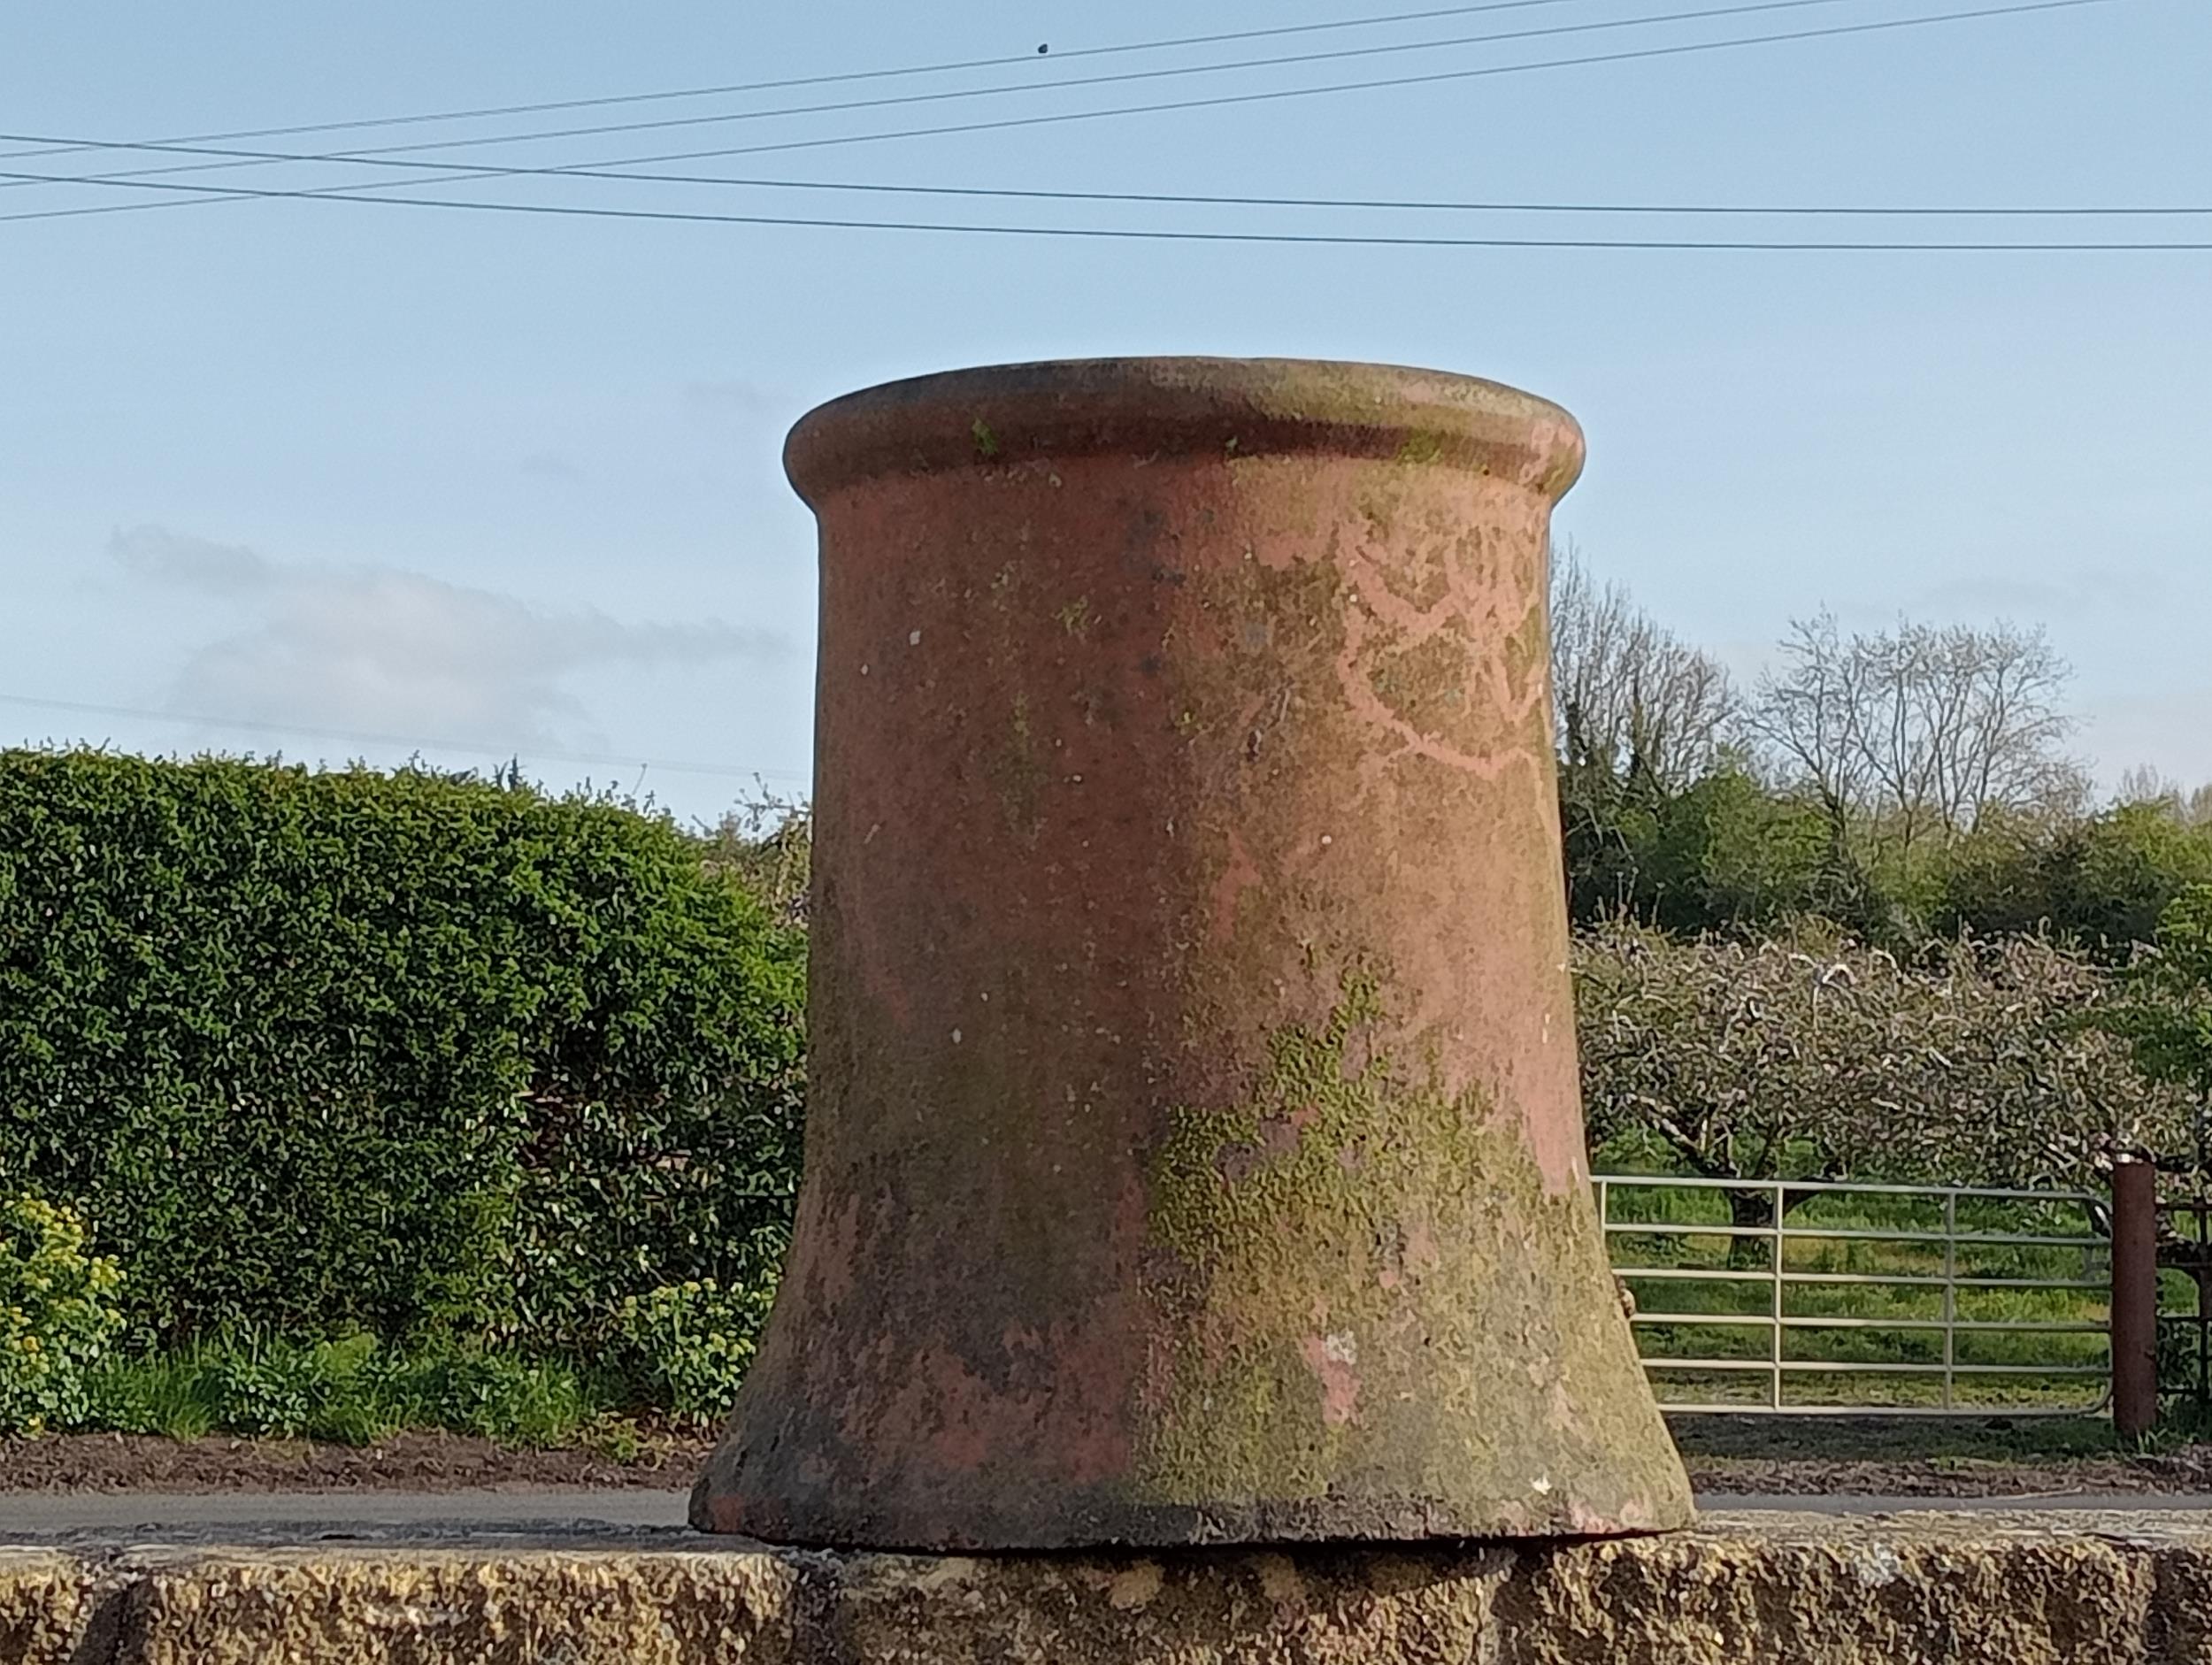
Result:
pixel 1368 1278
pixel 1421 448
pixel 986 441
pixel 1305 1090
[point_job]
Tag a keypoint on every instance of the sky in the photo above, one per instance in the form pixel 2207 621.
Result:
pixel 336 479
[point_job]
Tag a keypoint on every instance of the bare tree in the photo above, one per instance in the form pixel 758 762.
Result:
pixel 1630 697
pixel 2145 783
pixel 766 843
pixel 1919 732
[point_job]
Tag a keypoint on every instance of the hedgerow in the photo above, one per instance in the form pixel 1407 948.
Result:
pixel 408 1054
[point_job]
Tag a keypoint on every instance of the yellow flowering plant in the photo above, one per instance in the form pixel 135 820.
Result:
pixel 691 1342
pixel 59 1315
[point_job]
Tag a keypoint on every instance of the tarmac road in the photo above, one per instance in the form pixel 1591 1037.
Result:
pixel 30 1517
pixel 26 1516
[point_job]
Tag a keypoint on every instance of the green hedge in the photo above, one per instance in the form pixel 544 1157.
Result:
pixel 405 1052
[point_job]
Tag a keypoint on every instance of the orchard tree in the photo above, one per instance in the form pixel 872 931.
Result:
pixel 1810 1056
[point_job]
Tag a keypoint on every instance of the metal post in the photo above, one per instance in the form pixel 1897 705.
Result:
pixel 2204 1326
pixel 2199 1236
pixel 1780 1198
pixel 2134 1296
pixel 1950 1292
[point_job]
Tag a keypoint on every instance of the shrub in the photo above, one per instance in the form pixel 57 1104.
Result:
pixel 1723 851
pixel 58 1315
pixel 411 1053
pixel 692 1341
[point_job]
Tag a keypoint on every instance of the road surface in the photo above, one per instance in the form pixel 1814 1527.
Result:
pixel 30 1516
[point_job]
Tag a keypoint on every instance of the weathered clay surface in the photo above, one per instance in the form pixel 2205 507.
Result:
pixel 1193 1151
pixel 2130 1589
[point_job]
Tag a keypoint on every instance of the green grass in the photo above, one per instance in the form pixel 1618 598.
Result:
pixel 351 1391
pixel 1898 1323
pixel 1962 1442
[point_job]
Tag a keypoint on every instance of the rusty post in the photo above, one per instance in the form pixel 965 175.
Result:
pixel 1194 1152
pixel 2134 1296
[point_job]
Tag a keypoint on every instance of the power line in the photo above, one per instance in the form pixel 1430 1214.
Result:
pixel 818 81
pixel 1189 199
pixel 83 709
pixel 242 159
pixel 1406 204
pixel 1137 234
pixel 351 192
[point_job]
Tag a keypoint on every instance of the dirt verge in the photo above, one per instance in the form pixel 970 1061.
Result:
pixel 1729 1456
pixel 404 1463
pixel 1935 1457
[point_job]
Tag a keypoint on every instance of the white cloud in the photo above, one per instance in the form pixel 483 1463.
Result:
pixel 382 649
pixel 214 568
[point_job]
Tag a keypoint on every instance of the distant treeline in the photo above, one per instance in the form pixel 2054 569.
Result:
pixel 1909 784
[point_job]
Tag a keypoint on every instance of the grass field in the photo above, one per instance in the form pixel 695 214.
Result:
pixel 1891 1327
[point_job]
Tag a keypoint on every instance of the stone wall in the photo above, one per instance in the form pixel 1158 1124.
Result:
pixel 2004 1588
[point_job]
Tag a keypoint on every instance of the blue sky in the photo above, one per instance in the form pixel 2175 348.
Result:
pixel 513 482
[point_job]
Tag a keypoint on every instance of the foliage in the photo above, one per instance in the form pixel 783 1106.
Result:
pixel 692 1340
pixel 1730 852
pixel 349 1391
pixel 766 844
pixel 58 1315
pixel 1809 1055
pixel 471 1079
pixel 1723 851
pixel 417 1054
pixel 2104 882
pixel 2167 1014
pixel 1908 784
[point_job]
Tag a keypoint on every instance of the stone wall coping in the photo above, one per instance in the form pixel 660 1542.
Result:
pixel 2010 1588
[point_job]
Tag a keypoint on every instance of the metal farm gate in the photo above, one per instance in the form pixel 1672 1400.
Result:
pixel 1816 1298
